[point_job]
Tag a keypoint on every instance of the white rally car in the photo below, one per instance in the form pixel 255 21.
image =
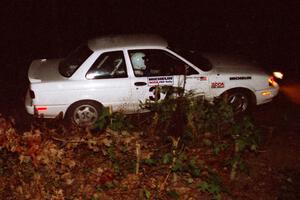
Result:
pixel 119 72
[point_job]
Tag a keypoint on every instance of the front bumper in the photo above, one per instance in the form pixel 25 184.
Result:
pixel 266 95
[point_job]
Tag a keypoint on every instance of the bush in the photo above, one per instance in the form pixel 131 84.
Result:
pixel 188 115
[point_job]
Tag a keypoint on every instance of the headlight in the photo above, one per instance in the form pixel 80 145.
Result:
pixel 278 75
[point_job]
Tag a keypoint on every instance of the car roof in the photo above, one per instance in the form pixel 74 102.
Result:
pixel 123 41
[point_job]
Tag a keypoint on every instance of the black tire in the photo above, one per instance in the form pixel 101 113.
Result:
pixel 239 100
pixel 84 113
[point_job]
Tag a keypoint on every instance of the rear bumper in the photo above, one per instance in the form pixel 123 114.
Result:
pixel 28 104
pixel 44 110
pixel 266 95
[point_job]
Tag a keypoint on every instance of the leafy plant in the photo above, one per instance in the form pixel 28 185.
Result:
pixel 167 158
pixel 150 161
pixel 119 122
pixel 219 147
pixel 147 193
pixel 168 115
pixel 179 166
pixel 112 156
pixel 103 119
pixel 213 186
pixel 173 194
pixel 193 168
pixel 106 186
pixel 116 121
pixel 186 114
pixel 183 164
pixel 246 137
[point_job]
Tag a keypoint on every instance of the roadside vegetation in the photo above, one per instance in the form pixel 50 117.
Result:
pixel 186 148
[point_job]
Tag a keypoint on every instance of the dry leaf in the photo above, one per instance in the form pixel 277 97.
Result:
pixel 24 159
pixel 69 163
pixel 146 154
pixel 107 142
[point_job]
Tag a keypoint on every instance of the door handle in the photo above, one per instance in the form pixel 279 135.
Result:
pixel 140 83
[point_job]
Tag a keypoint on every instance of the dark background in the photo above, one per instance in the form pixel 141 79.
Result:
pixel 267 31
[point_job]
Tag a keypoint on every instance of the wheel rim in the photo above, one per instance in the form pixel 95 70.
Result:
pixel 85 115
pixel 239 102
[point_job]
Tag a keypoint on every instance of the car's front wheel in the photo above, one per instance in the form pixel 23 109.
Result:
pixel 84 113
pixel 239 100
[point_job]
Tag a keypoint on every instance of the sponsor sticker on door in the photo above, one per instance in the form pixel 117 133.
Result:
pixel 160 80
pixel 217 85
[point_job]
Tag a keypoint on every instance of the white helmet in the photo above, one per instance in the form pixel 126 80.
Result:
pixel 138 61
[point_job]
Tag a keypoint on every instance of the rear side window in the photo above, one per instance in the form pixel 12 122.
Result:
pixel 155 62
pixel 74 60
pixel 108 65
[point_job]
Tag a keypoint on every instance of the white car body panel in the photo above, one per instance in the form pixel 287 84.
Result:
pixel 55 93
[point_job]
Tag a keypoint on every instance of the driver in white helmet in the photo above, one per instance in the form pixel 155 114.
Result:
pixel 138 62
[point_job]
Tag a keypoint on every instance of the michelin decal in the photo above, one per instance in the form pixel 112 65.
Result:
pixel 160 80
pixel 240 78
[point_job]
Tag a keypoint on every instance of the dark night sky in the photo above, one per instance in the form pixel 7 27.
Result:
pixel 269 30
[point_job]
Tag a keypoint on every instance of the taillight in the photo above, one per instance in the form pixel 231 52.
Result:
pixel 32 95
pixel 41 108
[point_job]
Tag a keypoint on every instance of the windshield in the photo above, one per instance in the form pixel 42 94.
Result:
pixel 70 64
pixel 196 58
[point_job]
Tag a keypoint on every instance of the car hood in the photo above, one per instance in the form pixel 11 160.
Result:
pixel 44 70
pixel 232 65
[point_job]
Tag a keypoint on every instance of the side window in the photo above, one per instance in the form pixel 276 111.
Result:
pixel 108 65
pixel 158 63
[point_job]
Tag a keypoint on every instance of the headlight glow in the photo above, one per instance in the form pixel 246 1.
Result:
pixel 278 75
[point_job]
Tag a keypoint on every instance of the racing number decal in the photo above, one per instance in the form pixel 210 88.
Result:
pixel 156 93
pixel 155 83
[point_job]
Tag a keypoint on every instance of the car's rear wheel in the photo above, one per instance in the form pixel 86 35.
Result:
pixel 239 100
pixel 84 113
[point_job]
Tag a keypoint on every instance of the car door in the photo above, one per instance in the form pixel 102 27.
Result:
pixel 159 67
pixel 108 81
